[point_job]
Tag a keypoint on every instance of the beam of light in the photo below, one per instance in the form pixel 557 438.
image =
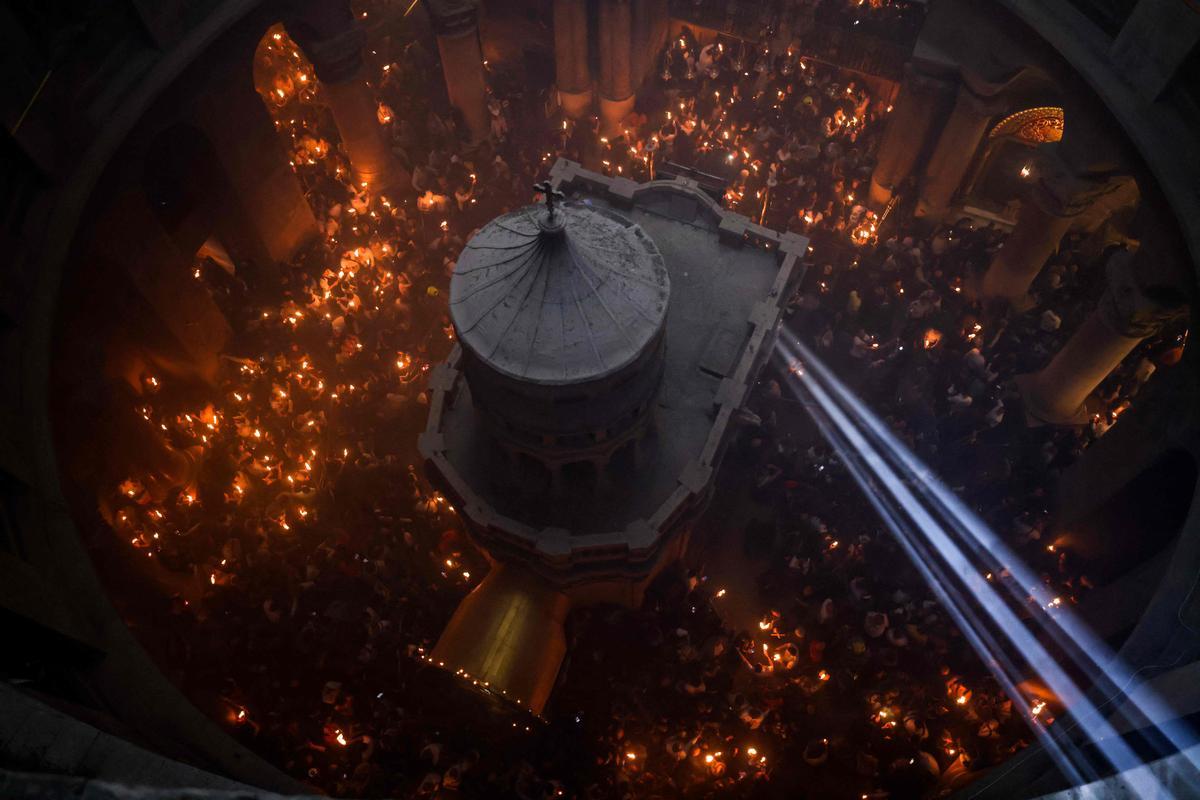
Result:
pixel 964 616
pixel 1091 654
pixel 924 532
pixel 411 6
pixel 1111 675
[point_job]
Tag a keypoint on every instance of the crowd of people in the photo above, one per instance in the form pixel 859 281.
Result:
pixel 316 565
pixel 791 138
pixel 891 20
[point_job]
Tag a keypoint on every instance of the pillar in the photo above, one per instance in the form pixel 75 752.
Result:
pixel 573 77
pixel 1127 314
pixel 912 119
pixel 355 113
pixel 1061 192
pixel 333 42
pixel 956 147
pixel 616 65
pixel 457 28
pixel 265 216
pixel 659 21
pixel 508 633
pixel 641 30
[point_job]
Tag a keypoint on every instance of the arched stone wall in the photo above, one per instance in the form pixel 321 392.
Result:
pixel 119 678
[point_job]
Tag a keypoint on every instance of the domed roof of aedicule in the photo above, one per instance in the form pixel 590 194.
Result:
pixel 562 298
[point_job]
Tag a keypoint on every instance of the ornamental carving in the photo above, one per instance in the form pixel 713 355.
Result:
pixel 1033 125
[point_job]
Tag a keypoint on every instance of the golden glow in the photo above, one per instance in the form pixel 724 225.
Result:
pixel 1036 125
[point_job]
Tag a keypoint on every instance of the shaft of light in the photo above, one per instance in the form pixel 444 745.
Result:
pixel 853 454
pixel 1110 673
pixel 993 656
pixel 1114 749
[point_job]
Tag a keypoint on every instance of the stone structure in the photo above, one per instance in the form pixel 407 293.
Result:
pixel 561 315
pixel 956 147
pixel 64 134
pixel 1155 42
pixel 46 740
pixel 333 42
pixel 260 211
pixel 456 23
pixel 922 94
pixel 1063 190
pixel 605 349
pixel 1128 312
pixel 627 37
pixel 616 80
pixel 572 74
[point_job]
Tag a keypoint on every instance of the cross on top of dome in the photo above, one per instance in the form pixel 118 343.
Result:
pixel 553 221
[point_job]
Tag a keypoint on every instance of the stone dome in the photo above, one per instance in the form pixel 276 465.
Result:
pixel 559 298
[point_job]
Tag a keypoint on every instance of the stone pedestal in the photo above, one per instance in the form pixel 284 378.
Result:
pixel 913 114
pixel 616 65
pixel 956 147
pixel 1061 192
pixel 572 75
pixel 1127 314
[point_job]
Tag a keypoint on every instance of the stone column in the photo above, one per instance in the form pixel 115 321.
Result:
pixel 1061 192
pixel 911 121
pixel 616 65
pixel 457 26
pixel 641 35
pixel 265 217
pixel 1127 314
pixel 956 147
pixel 658 14
pixel 572 74
pixel 333 42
